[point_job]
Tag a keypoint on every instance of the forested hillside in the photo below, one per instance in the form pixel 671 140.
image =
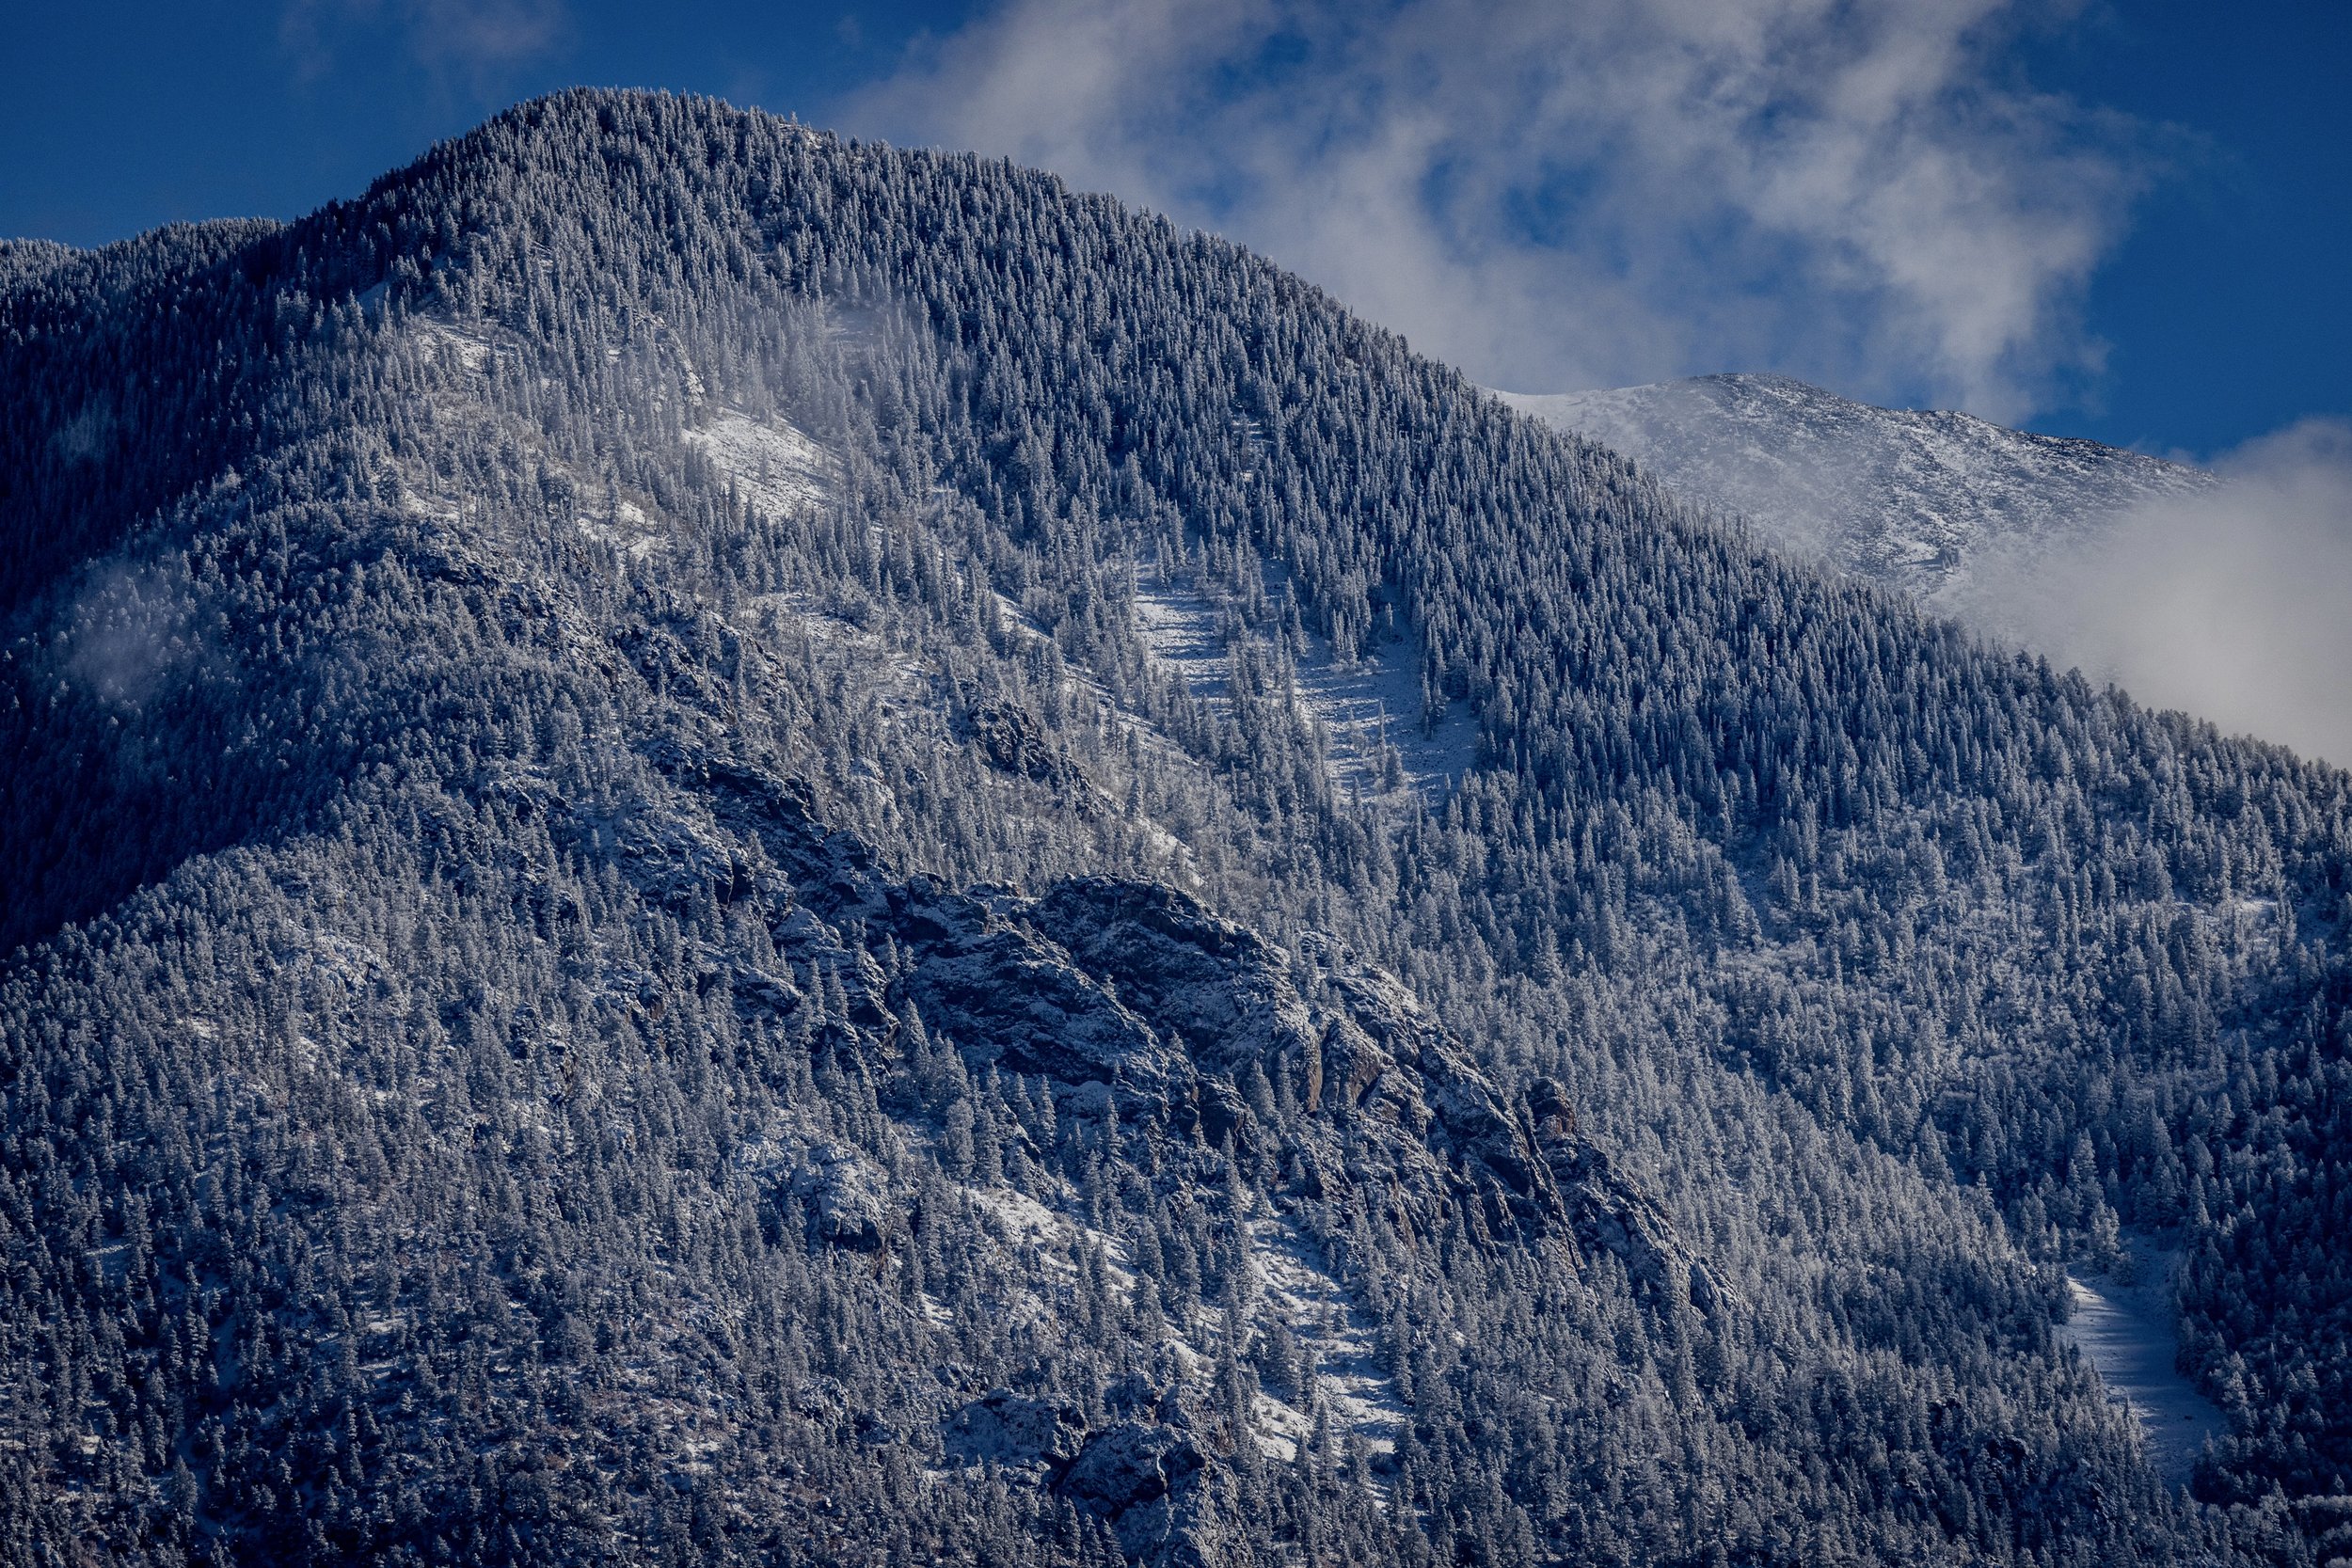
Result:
pixel 635 948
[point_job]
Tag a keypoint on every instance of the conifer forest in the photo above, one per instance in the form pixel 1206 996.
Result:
pixel 720 847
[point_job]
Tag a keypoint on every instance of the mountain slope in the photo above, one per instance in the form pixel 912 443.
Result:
pixel 1910 500
pixel 633 948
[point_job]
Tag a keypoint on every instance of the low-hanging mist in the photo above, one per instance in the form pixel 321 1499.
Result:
pixel 2227 601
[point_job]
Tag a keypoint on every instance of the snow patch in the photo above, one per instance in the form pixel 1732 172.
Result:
pixel 1366 708
pixel 777 467
pixel 473 349
pixel 2125 1328
pixel 1350 1379
pixel 627 527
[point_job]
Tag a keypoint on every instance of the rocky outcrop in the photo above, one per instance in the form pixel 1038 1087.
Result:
pixel 1218 988
pixel 1386 1109
pixel 1126 994
pixel 1006 996
pixel 1117 991
pixel 1150 1483
pixel 1144 1471
pixel 1015 1433
pixel 1009 739
pixel 847 1202
pixel 1612 1214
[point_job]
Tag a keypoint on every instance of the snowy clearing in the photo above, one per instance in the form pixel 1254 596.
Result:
pixel 776 467
pixel 2127 1331
pixel 1360 706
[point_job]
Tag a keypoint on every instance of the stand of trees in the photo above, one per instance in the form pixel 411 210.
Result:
pixel 448 1119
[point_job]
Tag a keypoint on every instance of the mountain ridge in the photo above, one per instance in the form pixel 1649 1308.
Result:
pixel 1918 501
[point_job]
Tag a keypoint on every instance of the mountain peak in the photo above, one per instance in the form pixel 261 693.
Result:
pixel 1913 500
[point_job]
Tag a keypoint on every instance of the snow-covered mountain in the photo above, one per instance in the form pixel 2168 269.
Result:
pixel 723 846
pixel 1918 501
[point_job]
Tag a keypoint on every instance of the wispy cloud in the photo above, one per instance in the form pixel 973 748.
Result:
pixel 1565 194
pixel 466 37
pixel 2228 603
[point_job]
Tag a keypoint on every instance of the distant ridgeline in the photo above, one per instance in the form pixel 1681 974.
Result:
pixel 1918 501
pixel 636 949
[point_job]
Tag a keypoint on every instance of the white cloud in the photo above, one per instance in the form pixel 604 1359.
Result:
pixel 1588 193
pixel 468 37
pixel 2226 602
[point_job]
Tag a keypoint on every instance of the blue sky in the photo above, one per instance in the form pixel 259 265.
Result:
pixel 2130 224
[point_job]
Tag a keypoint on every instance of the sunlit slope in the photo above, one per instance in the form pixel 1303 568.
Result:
pixel 703 876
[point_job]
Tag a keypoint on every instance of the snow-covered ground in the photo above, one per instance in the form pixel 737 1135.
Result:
pixel 1350 1376
pixel 2127 1331
pixel 1361 704
pixel 776 467
pixel 1351 1380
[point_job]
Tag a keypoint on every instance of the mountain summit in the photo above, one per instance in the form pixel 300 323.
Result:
pixel 1916 501
pixel 728 846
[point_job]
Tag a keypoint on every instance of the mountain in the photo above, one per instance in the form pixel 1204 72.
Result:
pixel 1915 501
pixel 725 846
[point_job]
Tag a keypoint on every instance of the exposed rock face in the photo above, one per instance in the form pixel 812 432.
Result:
pixel 1125 994
pixel 1008 996
pixel 1144 1481
pixel 1218 988
pixel 1010 740
pixel 1424 1135
pixel 1143 1472
pixel 1129 994
pixel 846 1201
pixel 1612 1214
pixel 1016 1433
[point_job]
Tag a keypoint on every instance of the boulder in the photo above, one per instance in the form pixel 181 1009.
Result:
pixel 1015 1431
pixel 847 1202
pixel 1147 1483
